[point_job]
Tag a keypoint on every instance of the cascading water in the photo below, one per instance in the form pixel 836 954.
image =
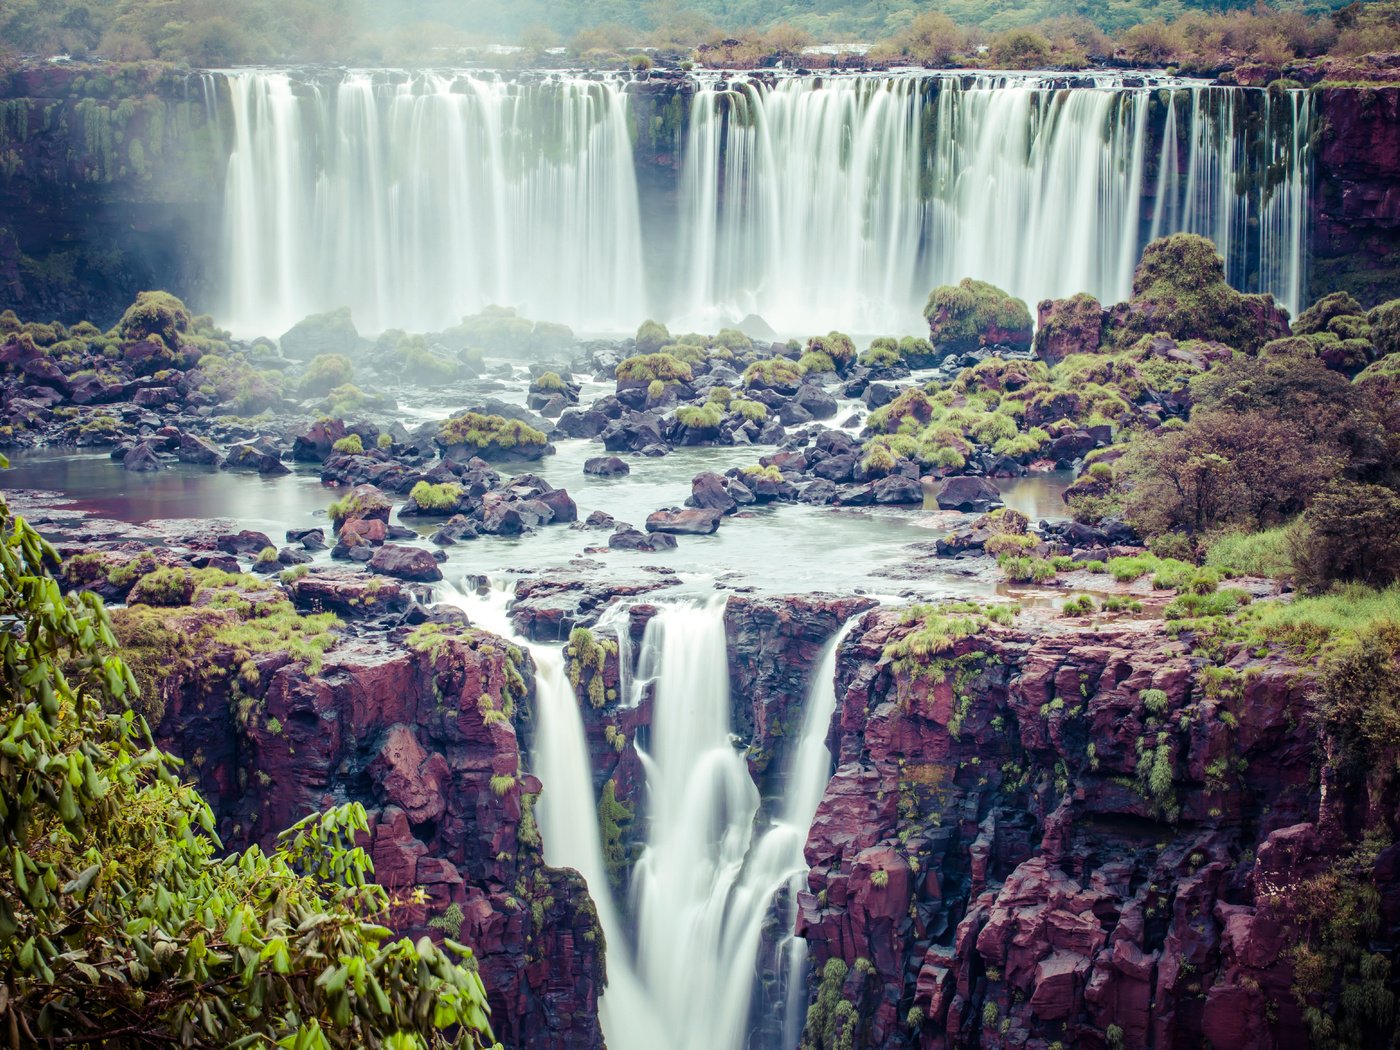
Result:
pixel 814 202
pixel 417 200
pixel 707 879
pixel 861 194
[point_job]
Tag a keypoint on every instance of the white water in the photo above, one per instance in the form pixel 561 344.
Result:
pixel 817 203
pixel 683 977
pixel 419 200
pixel 861 194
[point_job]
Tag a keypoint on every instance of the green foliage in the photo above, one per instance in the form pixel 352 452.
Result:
pixel 832 1019
pixel 1082 605
pixel 1341 983
pixel 1360 680
pixel 488 435
pixel 1155 701
pixel 157 314
pixel 1266 553
pixel 613 820
pixel 973 314
pixel 120 923
pixel 436 499
pixel 936 629
pixel 1350 533
pixel 350 445
pixel 324 374
pixel 1026 569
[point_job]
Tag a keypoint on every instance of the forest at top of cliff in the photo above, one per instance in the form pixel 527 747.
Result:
pixel 1190 34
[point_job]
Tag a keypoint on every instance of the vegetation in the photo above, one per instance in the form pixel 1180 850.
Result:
pixel 974 313
pixel 489 436
pixel 121 923
pixel 1193 35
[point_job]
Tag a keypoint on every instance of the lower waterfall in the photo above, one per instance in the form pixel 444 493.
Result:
pixel 681 975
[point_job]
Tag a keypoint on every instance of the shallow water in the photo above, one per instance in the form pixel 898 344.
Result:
pixel 792 548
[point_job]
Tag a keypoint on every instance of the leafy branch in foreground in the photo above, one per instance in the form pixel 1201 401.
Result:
pixel 122 924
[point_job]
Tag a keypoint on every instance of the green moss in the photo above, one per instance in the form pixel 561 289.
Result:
pixel 441 498
pixel 613 821
pixel 777 373
pixel 350 445
pixel 490 434
pixel 647 368
pixel 972 313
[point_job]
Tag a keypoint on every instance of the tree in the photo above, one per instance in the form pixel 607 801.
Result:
pixel 1350 533
pixel 121 925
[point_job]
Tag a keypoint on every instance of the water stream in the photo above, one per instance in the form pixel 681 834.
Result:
pixel 681 968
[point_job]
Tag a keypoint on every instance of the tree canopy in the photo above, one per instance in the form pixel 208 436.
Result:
pixel 122 921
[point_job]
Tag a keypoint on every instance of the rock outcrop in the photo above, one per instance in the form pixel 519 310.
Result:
pixel 1077 838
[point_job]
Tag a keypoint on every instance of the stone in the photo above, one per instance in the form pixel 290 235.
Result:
pixel 194 449
pixel 708 492
pixel 245 542
pixel 406 563
pixel 694 521
pixel 606 467
pixel 142 459
pixel 964 493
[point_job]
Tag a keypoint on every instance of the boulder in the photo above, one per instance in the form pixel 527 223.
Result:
pixel 142 459
pixel 694 521
pixel 406 563
pixel 708 491
pixel 964 493
pixel 606 467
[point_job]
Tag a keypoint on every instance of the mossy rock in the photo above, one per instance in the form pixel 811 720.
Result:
pixel 328 333
pixel 1385 327
pixel 973 314
pixel 493 438
pixel 651 337
pixel 1179 288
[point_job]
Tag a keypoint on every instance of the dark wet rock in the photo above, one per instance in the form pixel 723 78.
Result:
pixel 693 521
pixel 317 441
pixel 600 519
pixel 293 556
pixel 709 491
pixel 818 403
pixel 245 542
pixel 549 606
pixel 142 459
pixel 964 493
pixel 818 493
pixel 837 468
pixel 898 489
pixel 310 539
pixel 348 593
pixel 634 432
pixel 194 449
pixel 626 538
pixel 794 415
pixel 455 530
pixel 606 467
pixel 261 456
pixel 406 563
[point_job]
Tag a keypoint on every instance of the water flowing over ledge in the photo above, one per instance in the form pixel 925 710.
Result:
pixel 813 202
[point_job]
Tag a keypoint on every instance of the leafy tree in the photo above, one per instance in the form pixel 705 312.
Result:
pixel 1351 532
pixel 121 925
pixel 1222 468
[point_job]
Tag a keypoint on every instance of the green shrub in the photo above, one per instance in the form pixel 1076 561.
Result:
pixel 647 368
pixel 349 445
pixel 324 374
pixel 1350 533
pixel 1083 605
pixel 700 417
pixel 487 434
pixel 441 498
pixel 651 337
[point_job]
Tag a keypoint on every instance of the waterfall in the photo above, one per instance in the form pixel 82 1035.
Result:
pixel 683 976
pixel 861 194
pixel 815 202
pixel 418 200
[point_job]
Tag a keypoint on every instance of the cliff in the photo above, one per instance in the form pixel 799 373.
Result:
pixel 1089 838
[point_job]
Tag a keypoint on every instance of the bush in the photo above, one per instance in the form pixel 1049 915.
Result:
pixel 777 373
pixel 324 374
pixel 115 872
pixel 1351 532
pixel 1020 49
pixel 648 368
pixel 349 445
pixel 1266 553
pixel 1083 605
pixel 441 499
pixel 700 417
pixel 155 314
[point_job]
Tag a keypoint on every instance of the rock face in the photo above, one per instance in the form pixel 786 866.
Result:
pixel 419 729
pixel 1356 204
pixel 1002 854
